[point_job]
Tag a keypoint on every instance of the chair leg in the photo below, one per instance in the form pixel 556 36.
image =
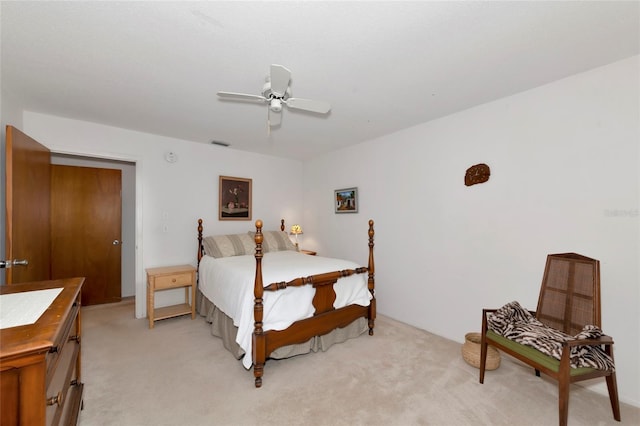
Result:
pixel 564 382
pixel 563 400
pixel 483 347
pixel 483 356
pixel 612 385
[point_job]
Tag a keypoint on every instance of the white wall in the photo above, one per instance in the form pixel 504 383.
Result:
pixel 185 190
pixel 564 164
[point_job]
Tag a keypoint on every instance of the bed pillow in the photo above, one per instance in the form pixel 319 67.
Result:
pixel 275 241
pixel 228 245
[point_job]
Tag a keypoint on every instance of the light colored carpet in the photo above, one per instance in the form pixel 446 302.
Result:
pixel 178 374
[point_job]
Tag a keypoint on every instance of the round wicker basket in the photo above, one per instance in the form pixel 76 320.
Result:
pixel 471 352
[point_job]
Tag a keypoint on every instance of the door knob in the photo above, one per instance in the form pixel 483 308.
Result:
pixel 15 262
pixel 116 242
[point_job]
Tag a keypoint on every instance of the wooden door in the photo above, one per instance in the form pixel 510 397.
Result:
pixel 86 213
pixel 28 208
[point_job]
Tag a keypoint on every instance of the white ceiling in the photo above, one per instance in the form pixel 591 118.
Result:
pixel 156 66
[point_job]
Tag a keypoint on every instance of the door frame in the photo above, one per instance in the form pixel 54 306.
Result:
pixel 140 284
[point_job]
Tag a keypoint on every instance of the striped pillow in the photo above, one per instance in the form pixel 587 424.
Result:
pixel 275 241
pixel 228 245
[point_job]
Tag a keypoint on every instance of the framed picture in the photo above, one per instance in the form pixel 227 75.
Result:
pixel 234 201
pixel 346 200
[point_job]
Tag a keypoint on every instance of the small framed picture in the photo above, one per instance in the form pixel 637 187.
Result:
pixel 346 200
pixel 234 201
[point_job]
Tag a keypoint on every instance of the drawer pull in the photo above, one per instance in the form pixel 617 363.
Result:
pixel 54 349
pixel 56 399
pixel 173 280
pixel 74 338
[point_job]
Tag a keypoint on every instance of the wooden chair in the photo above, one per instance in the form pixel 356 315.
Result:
pixel 569 299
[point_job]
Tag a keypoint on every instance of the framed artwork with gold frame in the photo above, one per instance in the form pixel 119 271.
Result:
pixel 234 200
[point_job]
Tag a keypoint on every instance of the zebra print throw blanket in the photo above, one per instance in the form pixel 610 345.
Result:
pixel 517 324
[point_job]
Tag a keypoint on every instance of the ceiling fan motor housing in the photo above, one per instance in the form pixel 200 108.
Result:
pixel 269 94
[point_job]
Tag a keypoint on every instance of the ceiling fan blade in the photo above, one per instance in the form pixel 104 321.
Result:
pixel 321 107
pixel 274 118
pixel 242 96
pixel 280 77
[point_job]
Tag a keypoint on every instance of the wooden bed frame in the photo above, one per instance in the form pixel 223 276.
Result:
pixel 325 319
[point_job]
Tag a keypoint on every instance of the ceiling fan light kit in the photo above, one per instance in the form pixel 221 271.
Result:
pixel 276 92
pixel 275 105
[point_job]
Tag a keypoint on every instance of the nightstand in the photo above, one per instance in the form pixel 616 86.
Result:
pixel 170 277
pixel 309 252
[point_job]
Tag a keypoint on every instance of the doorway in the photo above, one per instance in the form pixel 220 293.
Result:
pixel 128 171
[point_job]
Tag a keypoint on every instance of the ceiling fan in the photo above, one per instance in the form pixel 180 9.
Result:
pixel 276 92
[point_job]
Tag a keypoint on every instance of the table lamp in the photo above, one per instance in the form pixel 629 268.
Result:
pixel 296 230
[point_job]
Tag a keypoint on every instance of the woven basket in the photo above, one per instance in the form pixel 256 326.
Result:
pixel 471 352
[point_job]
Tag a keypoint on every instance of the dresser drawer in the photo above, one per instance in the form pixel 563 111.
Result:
pixel 58 388
pixel 68 332
pixel 73 404
pixel 170 281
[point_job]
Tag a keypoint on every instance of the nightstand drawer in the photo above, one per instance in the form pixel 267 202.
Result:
pixel 175 280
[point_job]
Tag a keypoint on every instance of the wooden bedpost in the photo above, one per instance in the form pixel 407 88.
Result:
pixel 199 240
pixel 259 343
pixel 371 281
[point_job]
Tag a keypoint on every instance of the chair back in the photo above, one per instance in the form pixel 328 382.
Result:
pixel 570 293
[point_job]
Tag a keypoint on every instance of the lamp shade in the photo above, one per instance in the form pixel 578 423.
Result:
pixel 295 230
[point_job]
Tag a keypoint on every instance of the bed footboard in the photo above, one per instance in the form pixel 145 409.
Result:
pixel 326 317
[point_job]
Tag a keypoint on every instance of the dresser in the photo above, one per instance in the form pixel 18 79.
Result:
pixel 40 362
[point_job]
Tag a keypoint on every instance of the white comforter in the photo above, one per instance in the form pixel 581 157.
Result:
pixel 228 283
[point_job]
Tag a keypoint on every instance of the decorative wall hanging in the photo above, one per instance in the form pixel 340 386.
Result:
pixel 477 174
pixel 346 200
pixel 234 201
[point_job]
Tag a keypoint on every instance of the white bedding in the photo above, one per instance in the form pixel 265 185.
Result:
pixel 228 283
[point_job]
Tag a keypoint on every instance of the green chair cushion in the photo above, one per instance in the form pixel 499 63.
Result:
pixel 535 355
